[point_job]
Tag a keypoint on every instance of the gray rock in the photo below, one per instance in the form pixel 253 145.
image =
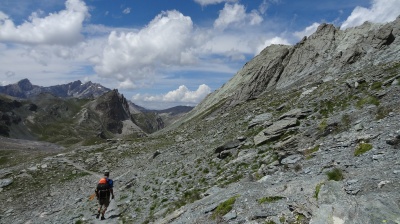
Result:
pixel 280 126
pixel 262 138
pixel 295 113
pixel 5 182
pixel 291 159
pixel 260 119
pixel 359 127
pixel 230 215
pixel 228 145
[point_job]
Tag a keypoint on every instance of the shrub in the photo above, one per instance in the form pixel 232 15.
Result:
pixel 335 174
pixel 224 207
pixel 362 148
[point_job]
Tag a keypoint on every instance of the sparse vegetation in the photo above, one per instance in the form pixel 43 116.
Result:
pixel 317 189
pixel 224 208
pixel 307 153
pixel 362 148
pixel 382 112
pixel 336 174
pixel 270 199
pixel 371 100
pixel 323 125
pixel 376 86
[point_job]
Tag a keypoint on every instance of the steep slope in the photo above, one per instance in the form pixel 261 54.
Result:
pixel 318 150
pixel 326 54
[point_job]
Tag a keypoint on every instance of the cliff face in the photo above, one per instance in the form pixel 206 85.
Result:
pixel 114 109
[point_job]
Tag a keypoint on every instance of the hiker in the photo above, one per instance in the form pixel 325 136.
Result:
pixel 103 192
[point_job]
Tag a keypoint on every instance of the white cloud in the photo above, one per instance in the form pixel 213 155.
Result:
pixel 127 11
pixel 180 96
pixel 307 31
pixel 268 42
pixel 235 14
pixel 164 42
pixel 381 11
pixel 212 2
pixel 57 28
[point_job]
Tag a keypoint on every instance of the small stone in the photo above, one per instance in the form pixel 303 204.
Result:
pixel 44 166
pixel 74 172
pixel 396 171
pixel 358 127
pixel 383 183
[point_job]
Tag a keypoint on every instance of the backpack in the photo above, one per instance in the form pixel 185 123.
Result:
pixel 103 189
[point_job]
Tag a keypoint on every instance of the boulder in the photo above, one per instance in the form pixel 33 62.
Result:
pixel 228 145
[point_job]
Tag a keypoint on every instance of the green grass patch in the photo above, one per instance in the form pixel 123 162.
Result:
pixel 376 86
pixel 323 125
pixel 371 100
pixel 335 174
pixel 270 199
pixel 224 207
pixel 317 189
pixel 362 148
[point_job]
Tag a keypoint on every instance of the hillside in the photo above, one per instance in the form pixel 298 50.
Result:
pixel 301 134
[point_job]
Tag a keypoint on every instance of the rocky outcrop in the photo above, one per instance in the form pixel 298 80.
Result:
pixel 114 109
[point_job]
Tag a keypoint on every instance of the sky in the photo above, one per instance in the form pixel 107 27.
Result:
pixel 159 53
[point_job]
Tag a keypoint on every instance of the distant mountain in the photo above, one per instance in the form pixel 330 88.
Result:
pixel 24 89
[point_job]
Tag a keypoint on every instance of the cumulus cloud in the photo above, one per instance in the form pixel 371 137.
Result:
pixel 274 40
pixel 381 11
pixel 235 14
pixel 182 95
pixel 212 2
pixel 307 31
pixel 165 41
pixel 56 28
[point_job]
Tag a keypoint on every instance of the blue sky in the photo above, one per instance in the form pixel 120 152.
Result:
pixel 159 53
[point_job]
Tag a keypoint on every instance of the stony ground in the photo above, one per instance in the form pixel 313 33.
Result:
pixel 220 169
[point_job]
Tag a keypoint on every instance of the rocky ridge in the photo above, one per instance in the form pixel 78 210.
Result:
pixel 324 149
pixel 25 89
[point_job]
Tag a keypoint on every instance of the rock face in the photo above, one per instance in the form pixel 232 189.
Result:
pixel 328 52
pixel 114 109
pixel 320 148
